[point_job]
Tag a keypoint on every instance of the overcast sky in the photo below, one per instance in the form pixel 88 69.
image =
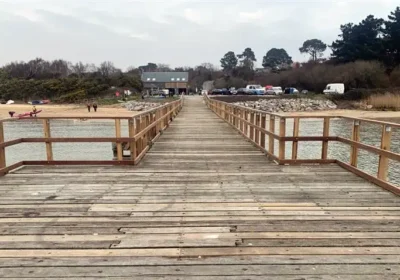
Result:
pixel 176 32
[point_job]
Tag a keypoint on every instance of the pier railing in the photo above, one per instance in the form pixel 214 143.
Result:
pixel 263 129
pixel 144 129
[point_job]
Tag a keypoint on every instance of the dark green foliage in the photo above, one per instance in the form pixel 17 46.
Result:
pixel 229 61
pixel 314 47
pixel 62 81
pixel 247 58
pixel 361 41
pixel 277 59
pixel 392 32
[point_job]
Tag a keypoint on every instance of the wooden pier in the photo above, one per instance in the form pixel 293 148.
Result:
pixel 204 203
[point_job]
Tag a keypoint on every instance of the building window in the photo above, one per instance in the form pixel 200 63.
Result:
pixel 154 79
pixel 183 79
pixel 148 79
pixel 172 79
pixel 178 79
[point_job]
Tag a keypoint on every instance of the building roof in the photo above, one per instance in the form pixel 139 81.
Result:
pixel 165 77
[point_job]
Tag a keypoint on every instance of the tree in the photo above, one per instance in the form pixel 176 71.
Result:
pixel 247 58
pixel 79 69
pixel 277 59
pixel 361 41
pixel 314 48
pixel 229 62
pixel 392 37
pixel 162 67
pixel 107 69
pixel 150 67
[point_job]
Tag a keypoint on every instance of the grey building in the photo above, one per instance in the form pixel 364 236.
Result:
pixel 175 82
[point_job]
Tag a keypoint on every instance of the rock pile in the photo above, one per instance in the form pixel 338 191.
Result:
pixel 289 105
pixel 139 106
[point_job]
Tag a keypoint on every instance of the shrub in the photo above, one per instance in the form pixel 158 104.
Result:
pixel 73 97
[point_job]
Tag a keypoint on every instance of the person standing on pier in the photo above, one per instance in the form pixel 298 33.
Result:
pixel 88 105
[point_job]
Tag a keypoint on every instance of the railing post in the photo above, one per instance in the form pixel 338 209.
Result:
pixel 132 145
pixel 282 133
pixel 324 154
pixel 138 128
pixel 234 116
pixel 295 145
pixel 2 150
pixel 385 145
pixel 256 131
pixel 47 134
pixel 246 126
pixel 241 121
pixel 251 127
pixel 118 135
pixel 271 139
pixel 356 138
pixel 262 137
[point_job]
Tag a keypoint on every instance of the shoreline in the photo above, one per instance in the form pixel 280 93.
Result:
pixel 78 111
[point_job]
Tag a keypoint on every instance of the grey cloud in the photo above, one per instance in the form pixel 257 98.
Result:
pixel 136 32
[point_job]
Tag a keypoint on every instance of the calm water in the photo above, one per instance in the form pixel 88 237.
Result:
pixel 370 134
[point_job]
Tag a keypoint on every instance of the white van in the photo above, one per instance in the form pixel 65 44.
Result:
pixel 334 89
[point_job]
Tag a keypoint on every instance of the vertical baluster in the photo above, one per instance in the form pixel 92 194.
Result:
pixel 385 145
pixel 118 135
pixel 324 154
pixel 282 133
pixel 295 145
pixel 132 145
pixel 271 139
pixel 47 134
pixel 263 124
pixel 2 150
pixel 355 137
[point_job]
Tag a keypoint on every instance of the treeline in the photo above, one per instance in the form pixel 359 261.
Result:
pixel 62 80
pixel 366 55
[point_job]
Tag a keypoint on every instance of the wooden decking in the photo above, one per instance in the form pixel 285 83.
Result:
pixel 203 204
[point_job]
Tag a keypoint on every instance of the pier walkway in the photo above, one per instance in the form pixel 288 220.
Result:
pixel 204 203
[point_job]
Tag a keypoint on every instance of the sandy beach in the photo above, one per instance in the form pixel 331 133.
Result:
pixel 115 110
pixel 66 110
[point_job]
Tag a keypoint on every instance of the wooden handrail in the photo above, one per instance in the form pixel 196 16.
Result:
pixel 143 128
pixel 245 116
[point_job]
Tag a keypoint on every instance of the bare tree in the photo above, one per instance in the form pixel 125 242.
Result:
pixel 107 69
pixel 161 67
pixel 79 69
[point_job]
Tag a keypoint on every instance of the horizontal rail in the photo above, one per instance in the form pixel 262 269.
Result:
pixel 247 121
pixel 10 143
pixel 143 128
pixel 77 162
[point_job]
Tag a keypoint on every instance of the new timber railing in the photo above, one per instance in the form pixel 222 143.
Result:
pixel 144 129
pixel 260 127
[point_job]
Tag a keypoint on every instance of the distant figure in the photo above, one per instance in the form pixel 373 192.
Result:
pixel 34 110
pixel 11 113
pixel 88 105
pixel 95 106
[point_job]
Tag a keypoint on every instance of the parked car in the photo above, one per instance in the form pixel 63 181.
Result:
pixel 334 89
pixel 233 90
pixel 274 91
pixel 242 91
pixel 256 89
pixel 216 91
pixel 225 91
pixel 291 90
